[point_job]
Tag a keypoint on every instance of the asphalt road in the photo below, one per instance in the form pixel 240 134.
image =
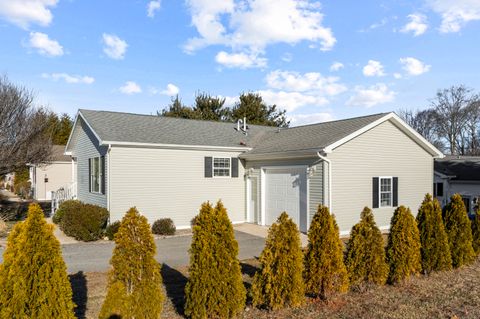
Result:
pixel 173 251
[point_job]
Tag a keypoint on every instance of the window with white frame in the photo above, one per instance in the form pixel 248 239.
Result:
pixel 386 191
pixel 221 166
pixel 96 174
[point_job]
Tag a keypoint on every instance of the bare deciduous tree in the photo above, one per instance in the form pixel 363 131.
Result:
pixel 24 137
pixel 424 122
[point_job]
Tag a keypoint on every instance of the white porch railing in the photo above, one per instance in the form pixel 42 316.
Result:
pixel 62 194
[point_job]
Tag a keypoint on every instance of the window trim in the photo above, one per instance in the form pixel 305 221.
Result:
pixel 229 168
pixel 380 191
pixel 91 175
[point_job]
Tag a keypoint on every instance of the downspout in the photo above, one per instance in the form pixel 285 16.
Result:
pixel 329 180
pixel 108 177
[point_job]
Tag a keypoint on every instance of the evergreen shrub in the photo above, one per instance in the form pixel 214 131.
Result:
pixel 164 226
pixel 112 229
pixel 85 222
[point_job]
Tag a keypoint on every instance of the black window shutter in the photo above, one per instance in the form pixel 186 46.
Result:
pixel 208 167
pixel 234 167
pixel 375 192
pixel 90 175
pixel 395 191
pixel 102 167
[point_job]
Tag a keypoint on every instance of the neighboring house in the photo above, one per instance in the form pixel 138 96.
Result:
pixel 167 167
pixel 9 181
pixel 58 173
pixel 458 174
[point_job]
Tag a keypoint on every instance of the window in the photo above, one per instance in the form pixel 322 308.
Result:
pixel 96 174
pixel 221 167
pixel 385 192
pixel 438 189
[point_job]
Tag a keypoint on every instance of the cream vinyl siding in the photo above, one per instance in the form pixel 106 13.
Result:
pixel 381 151
pixel 59 174
pixel 170 183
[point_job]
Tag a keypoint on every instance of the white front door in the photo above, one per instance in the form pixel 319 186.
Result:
pixel 286 190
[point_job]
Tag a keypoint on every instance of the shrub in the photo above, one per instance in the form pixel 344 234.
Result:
pixel 215 287
pixel 279 281
pixel 164 226
pixel 3 228
pixel 365 256
pixel 476 232
pixel 112 229
pixel 135 283
pixel 87 222
pixel 325 272
pixel 434 250
pixel 68 205
pixel 33 276
pixel 403 248
pixel 459 231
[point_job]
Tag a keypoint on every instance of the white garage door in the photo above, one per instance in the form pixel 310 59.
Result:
pixel 286 190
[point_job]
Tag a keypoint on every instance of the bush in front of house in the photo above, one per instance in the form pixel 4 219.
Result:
pixel 33 276
pixel 476 232
pixel 86 222
pixel 403 248
pixel 164 226
pixel 135 287
pixel 459 232
pixel 365 256
pixel 215 287
pixel 325 273
pixel 68 205
pixel 435 250
pixel 112 229
pixel 279 282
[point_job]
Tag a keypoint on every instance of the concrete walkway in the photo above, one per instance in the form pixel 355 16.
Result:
pixel 262 231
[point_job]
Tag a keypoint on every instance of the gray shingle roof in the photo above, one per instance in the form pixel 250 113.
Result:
pixel 58 154
pixel 314 136
pixel 463 168
pixel 136 128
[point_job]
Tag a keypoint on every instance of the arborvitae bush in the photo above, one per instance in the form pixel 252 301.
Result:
pixel 279 281
pixel 325 272
pixel 215 288
pixel 403 248
pixel 435 250
pixel 476 232
pixel 33 276
pixel 459 231
pixel 135 283
pixel 112 229
pixel 365 256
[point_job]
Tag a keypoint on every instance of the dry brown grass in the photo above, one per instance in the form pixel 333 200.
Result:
pixel 453 294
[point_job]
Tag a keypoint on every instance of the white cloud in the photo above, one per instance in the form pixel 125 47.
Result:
pixel 250 26
pixel 310 81
pixel 44 45
pixel 130 88
pixel 152 7
pixel 240 60
pixel 417 25
pixel 455 13
pixel 336 66
pixel 114 47
pixel 373 68
pixel 291 101
pixel 397 76
pixel 304 119
pixel 72 79
pixel 371 96
pixel 376 25
pixel 170 90
pixel 413 66
pixel 26 12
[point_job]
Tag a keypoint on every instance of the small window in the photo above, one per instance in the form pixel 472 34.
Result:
pixel 221 167
pixel 439 189
pixel 96 174
pixel 385 191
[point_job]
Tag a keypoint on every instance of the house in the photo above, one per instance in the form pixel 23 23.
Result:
pixel 46 178
pixel 167 167
pixel 458 174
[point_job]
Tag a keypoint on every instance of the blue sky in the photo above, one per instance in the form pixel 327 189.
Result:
pixel 318 60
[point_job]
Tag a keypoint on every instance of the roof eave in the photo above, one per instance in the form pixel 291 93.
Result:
pixel 177 146
pixel 281 155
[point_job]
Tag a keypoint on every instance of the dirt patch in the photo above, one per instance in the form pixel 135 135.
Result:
pixel 440 295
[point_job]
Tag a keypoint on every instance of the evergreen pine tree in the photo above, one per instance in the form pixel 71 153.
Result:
pixel 135 283
pixel 476 233
pixel 365 256
pixel 215 287
pixel 435 250
pixel 325 272
pixel 459 231
pixel 403 248
pixel 279 281
pixel 33 277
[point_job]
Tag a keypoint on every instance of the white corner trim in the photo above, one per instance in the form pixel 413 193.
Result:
pixel 402 125
pixel 79 114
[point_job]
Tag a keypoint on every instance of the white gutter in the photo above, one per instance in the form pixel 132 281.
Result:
pixel 329 181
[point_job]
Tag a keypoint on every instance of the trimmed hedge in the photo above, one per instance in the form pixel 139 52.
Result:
pixel 68 205
pixel 164 226
pixel 85 222
pixel 112 229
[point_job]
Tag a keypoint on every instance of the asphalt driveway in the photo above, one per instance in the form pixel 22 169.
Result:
pixel 173 251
